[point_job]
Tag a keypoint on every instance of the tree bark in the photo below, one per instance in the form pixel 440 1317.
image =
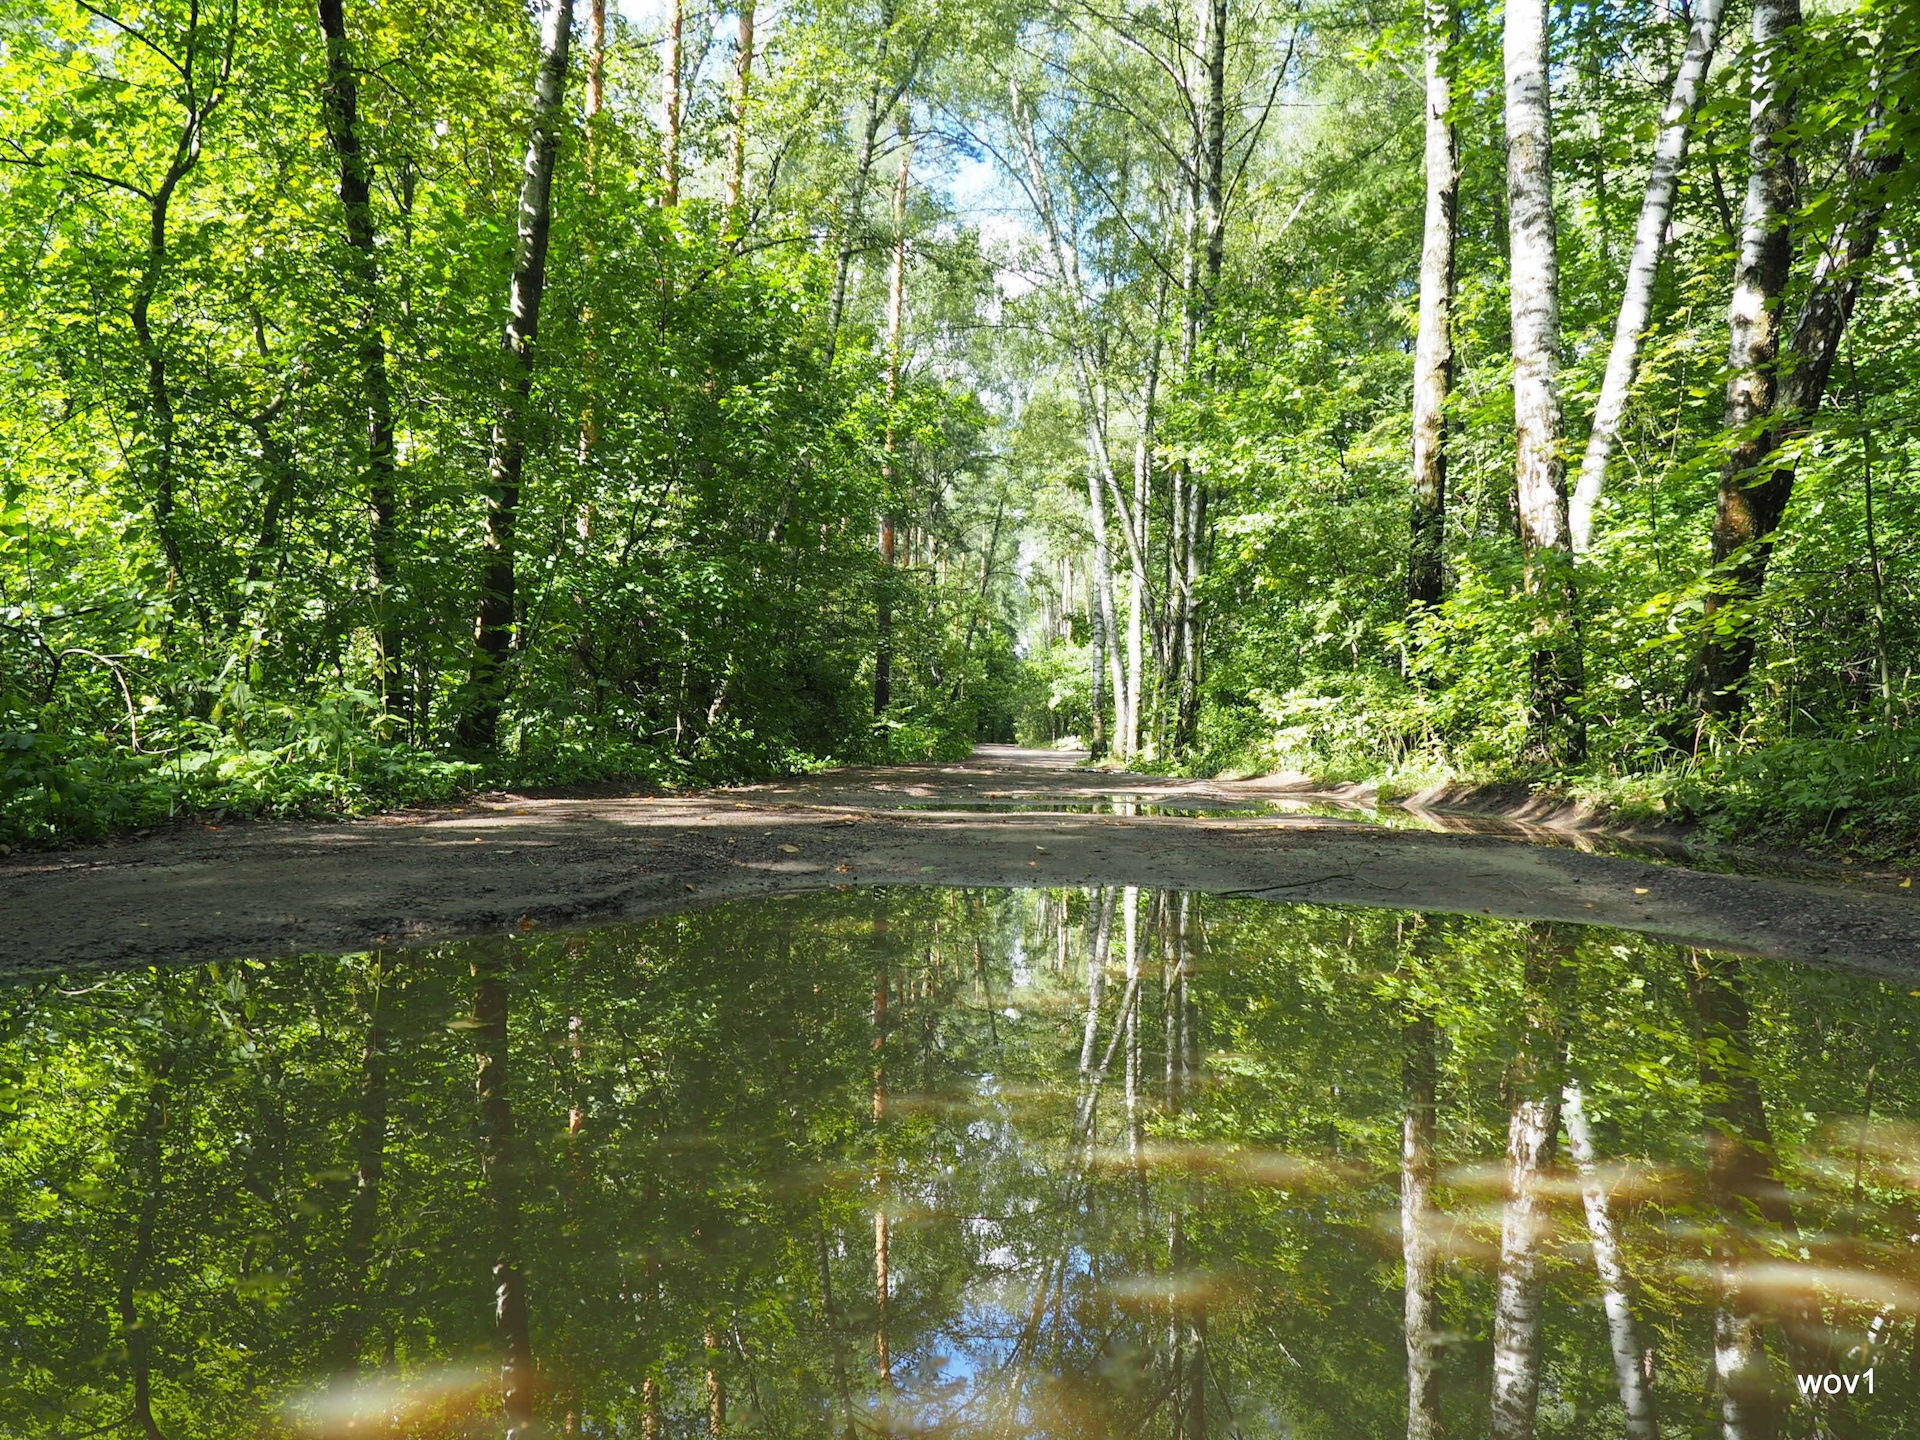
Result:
pixel 737 151
pixel 889 475
pixel 136 1332
pixel 670 103
pixel 1539 468
pixel 1533 1123
pixel 500 1183
pixel 493 624
pixel 596 57
pixel 363 1209
pixel 1643 268
pixel 340 104
pixel 1419 1076
pixel 1433 344
pixel 716 1385
pixel 1746 513
pixel 1636 1396
pixel 1753 500
pixel 1742 1187
pixel 1210 201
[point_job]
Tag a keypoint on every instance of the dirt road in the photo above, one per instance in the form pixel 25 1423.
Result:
pixel 508 862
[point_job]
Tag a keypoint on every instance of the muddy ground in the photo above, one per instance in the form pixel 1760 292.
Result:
pixel 509 862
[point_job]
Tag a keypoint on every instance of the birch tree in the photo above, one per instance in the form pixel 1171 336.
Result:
pixel 1433 344
pixel 1539 427
pixel 1643 267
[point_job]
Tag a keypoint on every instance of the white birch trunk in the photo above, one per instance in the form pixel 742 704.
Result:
pixel 1636 1397
pixel 1523 1233
pixel 1417 1219
pixel 670 105
pixel 1433 344
pixel 1539 467
pixel 1649 242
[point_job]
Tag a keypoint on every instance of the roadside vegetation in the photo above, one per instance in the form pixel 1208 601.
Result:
pixel 397 403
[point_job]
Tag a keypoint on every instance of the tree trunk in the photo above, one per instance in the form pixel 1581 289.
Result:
pixel 1137 594
pixel 1539 468
pixel 363 1210
pixel 1534 1121
pixel 1419 1072
pixel 1187 712
pixel 493 624
pixel 1643 268
pixel 854 206
pixel 500 1183
pixel 1107 624
pixel 136 1332
pixel 716 1385
pixel 1750 510
pixel 1636 1396
pixel 1433 345
pixel 596 57
pixel 889 475
pixel 1742 1188
pixel 1746 513
pixel 340 103
pixel 737 152
pixel 670 104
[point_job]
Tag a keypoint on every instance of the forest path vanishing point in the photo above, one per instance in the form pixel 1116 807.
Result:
pixel 513 862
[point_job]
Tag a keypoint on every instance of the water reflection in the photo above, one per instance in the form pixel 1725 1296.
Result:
pixel 957 1163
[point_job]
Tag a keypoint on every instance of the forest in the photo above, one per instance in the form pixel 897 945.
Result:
pixel 398 401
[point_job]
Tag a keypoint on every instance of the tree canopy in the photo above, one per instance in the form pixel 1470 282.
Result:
pixel 397 400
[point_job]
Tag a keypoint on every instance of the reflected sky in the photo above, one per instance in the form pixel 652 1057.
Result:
pixel 963 1163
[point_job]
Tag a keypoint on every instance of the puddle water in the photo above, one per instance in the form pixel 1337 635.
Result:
pixel 963 1163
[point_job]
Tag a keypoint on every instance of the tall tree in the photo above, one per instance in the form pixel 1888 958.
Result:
pixel 500 1181
pixel 1419 1244
pixel 670 106
pixel 1533 1083
pixel 340 106
pixel 1433 344
pixel 1539 428
pixel 737 143
pixel 1746 514
pixel 889 474
pixel 494 622
pixel 1643 267
pixel 1623 1336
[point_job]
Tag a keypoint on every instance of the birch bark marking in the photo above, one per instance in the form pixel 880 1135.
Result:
pixel 1433 345
pixel 742 90
pixel 1814 346
pixel 1759 280
pixel 340 104
pixel 1532 1129
pixel 1643 268
pixel 493 625
pixel 670 104
pixel 1419 1069
pixel 1636 1396
pixel 896 332
pixel 1540 478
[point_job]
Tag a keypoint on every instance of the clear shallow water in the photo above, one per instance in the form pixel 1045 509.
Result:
pixel 951 1163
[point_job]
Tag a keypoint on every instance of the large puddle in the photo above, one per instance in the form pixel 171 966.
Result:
pixel 965 1163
